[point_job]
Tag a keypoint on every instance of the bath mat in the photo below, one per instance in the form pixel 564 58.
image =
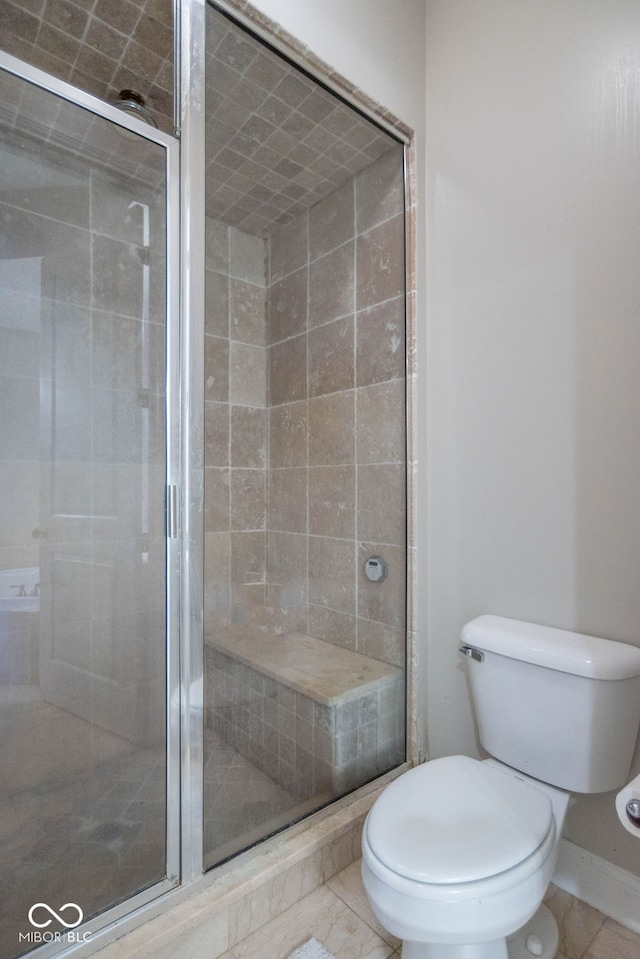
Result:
pixel 311 950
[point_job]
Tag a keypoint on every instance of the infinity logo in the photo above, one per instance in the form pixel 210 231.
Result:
pixel 55 915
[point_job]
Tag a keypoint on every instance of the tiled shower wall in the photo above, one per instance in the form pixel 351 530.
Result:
pixel 305 420
pixel 337 413
pixel 235 424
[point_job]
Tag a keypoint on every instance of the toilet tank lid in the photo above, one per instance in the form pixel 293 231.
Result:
pixel 554 648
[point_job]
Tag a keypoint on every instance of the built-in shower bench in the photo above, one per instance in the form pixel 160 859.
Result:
pixel 318 718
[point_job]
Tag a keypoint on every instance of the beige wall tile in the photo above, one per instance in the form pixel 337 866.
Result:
pixel 381 504
pixel 288 371
pixel 247 305
pixel 248 499
pixel 216 320
pixel 331 357
pixel 247 375
pixel 216 500
pixel 380 190
pixel 380 342
pixel 216 249
pixel 380 418
pixel 380 263
pixel 331 281
pixel 332 429
pixel 248 596
pixel 287 306
pixel 382 642
pixel 216 368
pixel 246 257
pixel 216 434
pixel 248 437
pixel 248 557
pixel 288 435
pixel 332 626
pixel 332 500
pixel 332 573
pixel 287 558
pixel 288 500
pixel 331 222
pixel 288 248
pixel 217 572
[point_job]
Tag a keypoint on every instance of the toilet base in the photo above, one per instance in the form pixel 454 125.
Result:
pixel 539 937
pixel 496 949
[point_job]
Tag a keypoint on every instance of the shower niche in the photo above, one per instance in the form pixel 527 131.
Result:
pixel 305 460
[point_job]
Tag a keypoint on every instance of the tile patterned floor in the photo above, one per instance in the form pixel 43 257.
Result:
pixel 338 915
pixel 586 933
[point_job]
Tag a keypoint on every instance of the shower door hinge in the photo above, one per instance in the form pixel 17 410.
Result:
pixel 172 511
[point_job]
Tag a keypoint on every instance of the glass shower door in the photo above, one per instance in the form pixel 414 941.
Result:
pixel 83 546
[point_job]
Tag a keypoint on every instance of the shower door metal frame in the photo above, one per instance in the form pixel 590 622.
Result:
pixel 112 919
pixel 190 121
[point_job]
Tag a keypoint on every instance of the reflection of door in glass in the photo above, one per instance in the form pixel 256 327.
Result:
pixel 82 485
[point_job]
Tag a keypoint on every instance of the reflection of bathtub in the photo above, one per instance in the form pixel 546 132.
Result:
pixel 20 590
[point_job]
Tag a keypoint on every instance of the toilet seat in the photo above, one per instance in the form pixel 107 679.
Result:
pixel 456 820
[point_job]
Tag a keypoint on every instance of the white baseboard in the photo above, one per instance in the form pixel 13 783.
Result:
pixel 612 890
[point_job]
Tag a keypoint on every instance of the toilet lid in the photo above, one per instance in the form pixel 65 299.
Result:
pixel 457 820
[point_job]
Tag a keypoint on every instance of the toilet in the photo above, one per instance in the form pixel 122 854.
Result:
pixel 457 853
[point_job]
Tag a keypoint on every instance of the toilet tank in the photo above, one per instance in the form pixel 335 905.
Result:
pixel 559 706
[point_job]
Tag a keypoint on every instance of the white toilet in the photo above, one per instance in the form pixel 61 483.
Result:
pixel 458 852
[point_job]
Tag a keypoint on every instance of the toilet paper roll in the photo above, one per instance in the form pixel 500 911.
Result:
pixel 628 806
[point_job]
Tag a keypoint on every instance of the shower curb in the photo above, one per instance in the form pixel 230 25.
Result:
pixel 232 902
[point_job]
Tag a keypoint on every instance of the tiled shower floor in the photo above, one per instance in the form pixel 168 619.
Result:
pixel 242 803
pixel 102 827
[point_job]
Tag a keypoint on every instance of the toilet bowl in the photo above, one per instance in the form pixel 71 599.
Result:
pixel 457 855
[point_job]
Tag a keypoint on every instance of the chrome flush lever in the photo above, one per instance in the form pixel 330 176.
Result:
pixel 472 653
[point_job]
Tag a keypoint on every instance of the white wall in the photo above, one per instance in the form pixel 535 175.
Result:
pixel 533 197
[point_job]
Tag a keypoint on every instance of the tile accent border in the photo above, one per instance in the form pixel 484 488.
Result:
pixel 301 54
pixel 411 252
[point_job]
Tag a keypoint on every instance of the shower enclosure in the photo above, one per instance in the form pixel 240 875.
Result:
pixel 203 462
